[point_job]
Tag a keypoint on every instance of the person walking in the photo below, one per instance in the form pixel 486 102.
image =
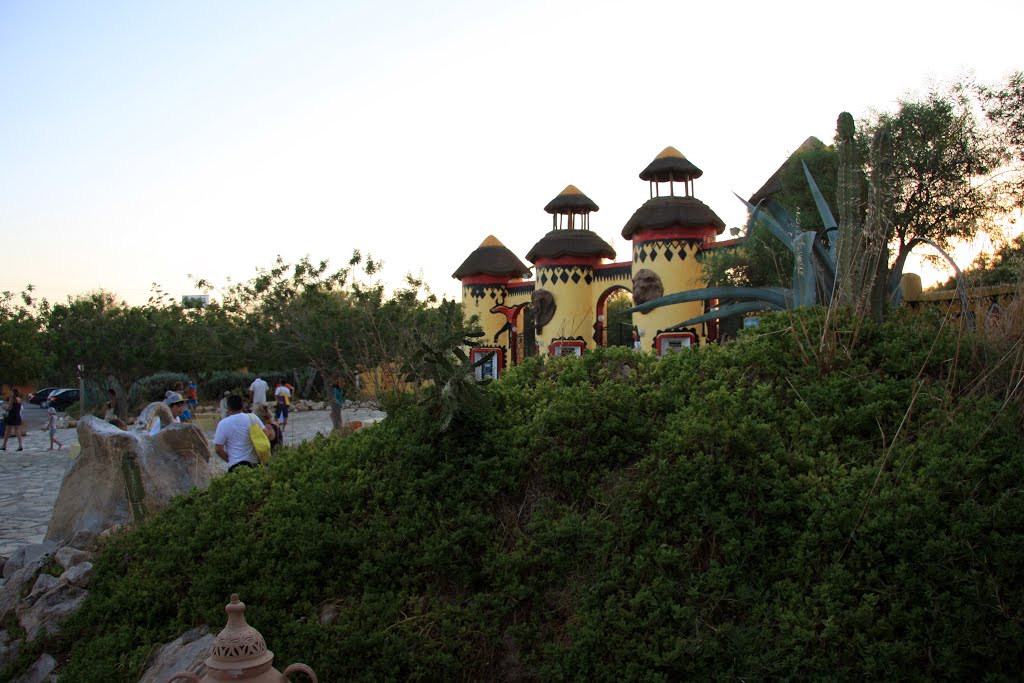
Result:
pixel 51 427
pixel 337 402
pixel 12 421
pixel 271 428
pixel 282 401
pixel 258 391
pixel 223 407
pixel 231 440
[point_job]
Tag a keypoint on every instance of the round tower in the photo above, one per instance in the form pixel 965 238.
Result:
pixel 485 276
pixel 562 300
pixel 667 233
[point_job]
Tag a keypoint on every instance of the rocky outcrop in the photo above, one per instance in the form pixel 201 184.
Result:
pixel 40 672
pixel 187 653
pixel 120 477
pixel 39 598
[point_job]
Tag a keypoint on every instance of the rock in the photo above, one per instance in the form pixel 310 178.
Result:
pixel 83 540
pixel 80 575
pixel 67 557
pixel 187 653
pixel 18 584
pixel 9 649
pixel 41 671
pixel 121 477
pixel 43 583
pixel 45 610
pixel 3 563
pixel 26 555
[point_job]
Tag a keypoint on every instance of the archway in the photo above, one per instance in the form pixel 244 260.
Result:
pixel 612 327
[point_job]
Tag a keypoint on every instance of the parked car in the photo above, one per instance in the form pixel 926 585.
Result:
pixel 62 398
pixel 39 397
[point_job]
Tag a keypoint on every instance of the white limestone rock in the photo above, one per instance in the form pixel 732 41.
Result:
pixel 121 477
pixel 41 671
pixel 187 653
pixel 80 575
pixel 46 609
pixel 67 557
pixel 26 555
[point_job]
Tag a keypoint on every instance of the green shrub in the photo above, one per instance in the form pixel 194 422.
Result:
pixel 798 504
pixel 155 387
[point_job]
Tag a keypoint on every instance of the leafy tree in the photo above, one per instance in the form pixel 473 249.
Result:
pixel 1004 107
pixel 307 315
pixel 22 354
pixel 948 179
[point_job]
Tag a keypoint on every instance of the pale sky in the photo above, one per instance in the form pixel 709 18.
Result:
pixel 141 142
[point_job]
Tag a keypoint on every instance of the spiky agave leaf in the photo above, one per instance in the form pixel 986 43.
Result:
pixel 781 233
pixel 729 311
pixel 779 296
pixel 827 219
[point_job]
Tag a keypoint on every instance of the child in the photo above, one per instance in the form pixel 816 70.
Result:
pixel 52 426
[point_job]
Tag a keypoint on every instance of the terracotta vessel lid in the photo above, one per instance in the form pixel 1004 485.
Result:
pixel 239 646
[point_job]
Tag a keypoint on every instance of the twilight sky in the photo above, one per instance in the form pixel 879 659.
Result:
pixel 141 142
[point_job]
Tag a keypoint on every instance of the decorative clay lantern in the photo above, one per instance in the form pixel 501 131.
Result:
pixel 241 654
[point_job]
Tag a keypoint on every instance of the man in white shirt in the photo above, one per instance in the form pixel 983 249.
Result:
pixel 232 441
pixel 258 392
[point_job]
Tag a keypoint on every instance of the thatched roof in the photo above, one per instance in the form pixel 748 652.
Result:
pixel 571 200
pixel 559 243
pixel 670 165
pixel 774 183
pixel 666 212
pixel 492 258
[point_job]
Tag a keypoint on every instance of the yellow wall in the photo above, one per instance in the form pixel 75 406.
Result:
pixel 574 305
pixel 676 275
pixel 490 323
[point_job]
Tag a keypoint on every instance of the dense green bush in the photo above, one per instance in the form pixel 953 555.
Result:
pixel 814 501
pixel 155 387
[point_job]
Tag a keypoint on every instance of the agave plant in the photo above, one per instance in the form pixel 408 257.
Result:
pixel 847 262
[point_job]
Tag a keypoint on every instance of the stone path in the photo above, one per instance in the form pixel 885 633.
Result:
pixel 30 479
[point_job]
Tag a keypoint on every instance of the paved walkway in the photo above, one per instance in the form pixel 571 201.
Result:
pixel 30 479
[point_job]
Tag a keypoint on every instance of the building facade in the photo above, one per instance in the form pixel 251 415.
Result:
pixel 575 273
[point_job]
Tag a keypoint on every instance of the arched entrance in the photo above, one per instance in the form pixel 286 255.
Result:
pixel 612 327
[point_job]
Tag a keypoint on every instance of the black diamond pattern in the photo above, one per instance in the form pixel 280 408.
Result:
pixel 668 254
pixel 643 255
pixel 575 278
pixel 543 278
pixel 589 278
pixel 654 254
pixel 563 277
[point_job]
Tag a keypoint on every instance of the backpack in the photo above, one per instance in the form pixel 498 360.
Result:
pixel 260 442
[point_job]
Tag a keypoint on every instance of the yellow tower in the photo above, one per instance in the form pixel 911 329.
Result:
pixel 486 276
pixel 667 233
pixel 562 302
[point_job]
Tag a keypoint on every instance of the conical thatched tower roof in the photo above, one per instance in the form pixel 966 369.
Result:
pixel 670 165
pixel 492 258
pixel 571 200
pixel 667 212
pixel 558 243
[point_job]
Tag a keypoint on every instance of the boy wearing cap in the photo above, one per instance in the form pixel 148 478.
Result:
pixel 177 404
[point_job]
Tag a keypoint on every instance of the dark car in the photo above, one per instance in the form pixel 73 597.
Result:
pixel 39 397
pixel 62 398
